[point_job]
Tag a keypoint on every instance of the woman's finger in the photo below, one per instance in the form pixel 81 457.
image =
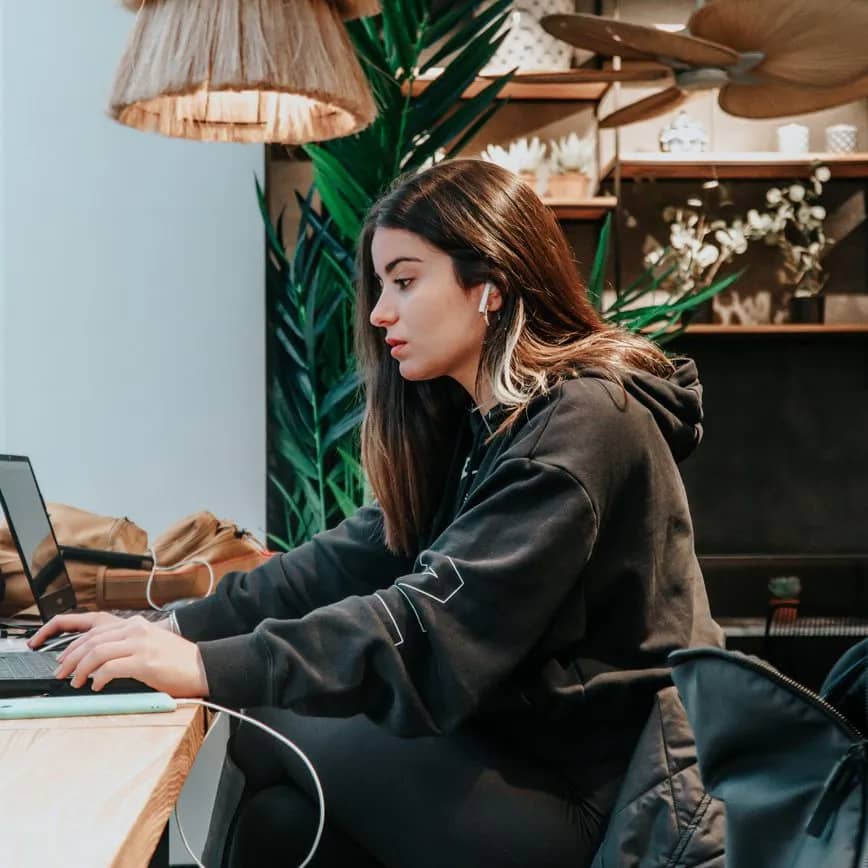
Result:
pixel 99 631
pixel 72 657
pixel 98 657
pixel 66 624
pixel 120 667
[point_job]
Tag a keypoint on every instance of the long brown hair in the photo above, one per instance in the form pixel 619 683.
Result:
pixel 494 227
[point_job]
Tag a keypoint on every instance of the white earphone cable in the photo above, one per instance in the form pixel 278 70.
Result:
pixel 158 569
pixel 280 738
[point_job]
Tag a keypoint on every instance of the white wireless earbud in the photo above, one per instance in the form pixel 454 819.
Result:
pixel 483 302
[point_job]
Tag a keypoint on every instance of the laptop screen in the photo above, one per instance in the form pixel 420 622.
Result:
pixel 29 523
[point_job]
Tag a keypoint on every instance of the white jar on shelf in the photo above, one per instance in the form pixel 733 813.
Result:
pixel 528 46
pixel 793 139
pixel 841 139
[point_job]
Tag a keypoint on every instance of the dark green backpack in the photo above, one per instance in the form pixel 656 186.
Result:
pixel 790 765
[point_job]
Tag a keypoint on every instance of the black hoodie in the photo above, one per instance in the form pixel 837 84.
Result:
pixel 559 574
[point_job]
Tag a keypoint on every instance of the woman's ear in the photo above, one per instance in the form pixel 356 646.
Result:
pixel 495 299
pixel 491 299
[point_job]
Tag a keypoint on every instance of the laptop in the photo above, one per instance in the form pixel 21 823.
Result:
pixel 27 672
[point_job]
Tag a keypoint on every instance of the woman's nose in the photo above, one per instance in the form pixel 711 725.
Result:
pixel 382 314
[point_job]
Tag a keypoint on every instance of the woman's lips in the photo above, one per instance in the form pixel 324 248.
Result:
pixel 396 348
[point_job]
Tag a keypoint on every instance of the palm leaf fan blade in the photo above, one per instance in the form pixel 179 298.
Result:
pixel 587 76
pixel 780 100
pixel 820 44
pixel 650 107
pixel 588 36
pixel 647 42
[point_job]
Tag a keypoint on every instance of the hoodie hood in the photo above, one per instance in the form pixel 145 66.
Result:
pixel 675 402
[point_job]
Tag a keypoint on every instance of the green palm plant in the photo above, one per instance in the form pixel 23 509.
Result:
pixel 314 408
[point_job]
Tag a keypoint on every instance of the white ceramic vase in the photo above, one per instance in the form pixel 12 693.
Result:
pixel 528 46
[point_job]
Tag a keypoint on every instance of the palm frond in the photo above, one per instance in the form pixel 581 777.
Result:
pixel 315 406
pixel 441 94
pixel 598 269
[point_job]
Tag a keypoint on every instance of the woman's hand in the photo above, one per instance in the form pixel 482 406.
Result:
pixel 112 647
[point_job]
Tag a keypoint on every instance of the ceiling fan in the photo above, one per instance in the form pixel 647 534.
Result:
pixel 769 58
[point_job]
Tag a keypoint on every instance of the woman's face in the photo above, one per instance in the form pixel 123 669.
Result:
pixel 422 305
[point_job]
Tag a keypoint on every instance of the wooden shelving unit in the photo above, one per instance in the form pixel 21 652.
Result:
pixel 783 562
pixel 779 329
pixel 594 208
pixel 575 92
pixel 735 165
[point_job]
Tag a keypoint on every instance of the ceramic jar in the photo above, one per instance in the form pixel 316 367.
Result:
pixel 528 46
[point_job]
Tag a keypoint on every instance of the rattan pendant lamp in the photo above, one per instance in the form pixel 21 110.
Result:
pixel 243 70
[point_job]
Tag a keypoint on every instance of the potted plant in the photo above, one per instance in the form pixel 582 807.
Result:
pixel 639 306
pixel 526 158
pixel 793 222
pixel 783 610
pixel 571 164
pixel 698 248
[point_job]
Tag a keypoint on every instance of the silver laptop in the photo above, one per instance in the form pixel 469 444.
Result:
pixel 43 563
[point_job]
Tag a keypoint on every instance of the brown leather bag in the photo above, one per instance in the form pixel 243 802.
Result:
pixel 224 545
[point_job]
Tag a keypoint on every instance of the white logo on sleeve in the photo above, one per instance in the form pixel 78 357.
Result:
pixel 440 585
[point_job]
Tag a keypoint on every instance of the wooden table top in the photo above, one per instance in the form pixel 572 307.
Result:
pixel 92 791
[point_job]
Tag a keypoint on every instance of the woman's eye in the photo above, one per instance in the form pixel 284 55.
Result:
pixel 403 281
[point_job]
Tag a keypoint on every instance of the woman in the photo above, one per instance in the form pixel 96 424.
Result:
pixel 469 661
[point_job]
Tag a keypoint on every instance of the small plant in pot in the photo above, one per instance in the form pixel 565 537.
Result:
pixel 783 611
pixel 571 164
pixel 525 158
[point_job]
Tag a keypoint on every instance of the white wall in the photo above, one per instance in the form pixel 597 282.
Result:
pixel 131 299
pixel 2 254
pixel 133 280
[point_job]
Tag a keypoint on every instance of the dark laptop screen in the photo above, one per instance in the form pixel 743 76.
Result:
pixel 27 518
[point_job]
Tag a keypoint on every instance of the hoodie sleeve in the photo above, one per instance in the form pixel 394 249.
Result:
pixel 420 654
pixel 351 559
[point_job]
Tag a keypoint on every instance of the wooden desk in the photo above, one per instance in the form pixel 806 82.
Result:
pixel 89 792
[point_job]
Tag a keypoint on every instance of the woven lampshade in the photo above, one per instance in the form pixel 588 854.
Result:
pixel 243 71
pixel 347 8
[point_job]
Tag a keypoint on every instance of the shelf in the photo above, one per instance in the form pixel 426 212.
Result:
pixel 594 208
pixel 779 329
pixel 744 165
pixel 784 561
pixel 755 628
pixel 572 92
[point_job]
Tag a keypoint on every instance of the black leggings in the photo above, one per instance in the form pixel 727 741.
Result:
pixel 458 801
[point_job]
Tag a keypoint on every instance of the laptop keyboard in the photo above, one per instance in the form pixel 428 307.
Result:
pixel 147 614
pixel 28 664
